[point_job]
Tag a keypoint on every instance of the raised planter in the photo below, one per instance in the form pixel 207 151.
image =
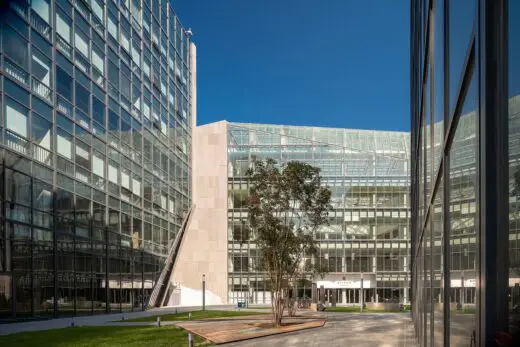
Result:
pixel 383 306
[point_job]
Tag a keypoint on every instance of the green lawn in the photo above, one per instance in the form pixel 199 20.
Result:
pixel 356 309
pixel 112 336
pixel 466 310
pixel 195 315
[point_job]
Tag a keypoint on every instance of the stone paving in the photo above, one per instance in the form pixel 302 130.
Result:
pixel 347 329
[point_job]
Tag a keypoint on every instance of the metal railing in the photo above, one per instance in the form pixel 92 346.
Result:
pixel 20 8
pixel 15 71
pixel 63 46
pixel 40 25
pixel 63 105
pixel 160 290
pixel 41 89
pixel 82 62
pixel 16 142
pixel 41 154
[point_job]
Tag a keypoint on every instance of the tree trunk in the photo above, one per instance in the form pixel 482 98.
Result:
pixel 278 308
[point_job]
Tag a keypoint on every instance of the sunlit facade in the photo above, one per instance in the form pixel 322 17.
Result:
pixel 368 233
pixel 465 180
pixel 95 148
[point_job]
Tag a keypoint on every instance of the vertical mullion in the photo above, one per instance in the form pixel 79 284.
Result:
pixel 445 175
pixel 107 289
pixel 493 168
pixel 31 243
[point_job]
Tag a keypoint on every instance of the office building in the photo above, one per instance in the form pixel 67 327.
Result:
pixel 97 110
pixel 465 180
pixel 368 232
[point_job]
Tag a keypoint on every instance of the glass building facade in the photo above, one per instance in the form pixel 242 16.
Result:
pixel 368 232
pixel 95 152
pixel 465 178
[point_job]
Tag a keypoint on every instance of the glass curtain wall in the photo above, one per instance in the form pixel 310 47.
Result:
pixel 368 231
pixel 460 156
pixel 95 136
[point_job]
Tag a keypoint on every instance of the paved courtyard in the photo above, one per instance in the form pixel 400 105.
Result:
pixel 347 329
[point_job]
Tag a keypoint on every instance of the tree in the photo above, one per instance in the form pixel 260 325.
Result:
pixel 286 206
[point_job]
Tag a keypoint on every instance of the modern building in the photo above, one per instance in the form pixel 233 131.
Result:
pixel 465 173
pixel 368 235
pixel 97 110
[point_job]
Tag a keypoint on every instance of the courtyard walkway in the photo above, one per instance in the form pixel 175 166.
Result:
pixel 326 329
pixel 347 329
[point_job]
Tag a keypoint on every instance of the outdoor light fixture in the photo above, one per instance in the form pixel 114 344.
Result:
pixel 203 292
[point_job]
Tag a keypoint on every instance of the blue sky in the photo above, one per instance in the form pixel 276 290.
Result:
pixel 334 63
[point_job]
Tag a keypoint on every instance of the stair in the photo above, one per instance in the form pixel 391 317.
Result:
pixel 161 290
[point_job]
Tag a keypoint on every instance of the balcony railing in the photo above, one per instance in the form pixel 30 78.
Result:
pixel 82 174
pixel 98 77
pixel 20 8
pixel 82 63
pixel 83 9
pixel 41 89
pixel 15 71
pixel 40 25
pixel 63 46
pixel 42 155
pixel 63 105
pixel 16 142
pixel 97 24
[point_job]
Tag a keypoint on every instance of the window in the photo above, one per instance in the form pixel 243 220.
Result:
pixel 63 24
pixel 41 132
pixel 16 117
pixel 136 54
pixel 64 143
pixel 125 40
pixel 136 186
pixel 15 47
pixel 98 164
pixel 97 9
pixel 41 67
pixel 98 60
pixel 146 67
pixel 42 108
pixel 113 173
pixel 82 154
pixel 113 121
pixel 42 8
pixel 113 75
pixel 63 83
pixel 125 179
pixel 81 43
pixel 125 86
pixel 82 98
pixel 98 110
pixel 112 26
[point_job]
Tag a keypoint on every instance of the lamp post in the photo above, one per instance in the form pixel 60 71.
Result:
pixel 203 292
pixel 362 294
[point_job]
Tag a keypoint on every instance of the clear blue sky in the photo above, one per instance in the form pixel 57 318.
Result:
pixel 333 63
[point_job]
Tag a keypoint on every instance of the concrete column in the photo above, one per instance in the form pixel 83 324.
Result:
pixel 406 295
pixel 322 294
pixel 344 296
pixel 314 293
pixel 333 293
